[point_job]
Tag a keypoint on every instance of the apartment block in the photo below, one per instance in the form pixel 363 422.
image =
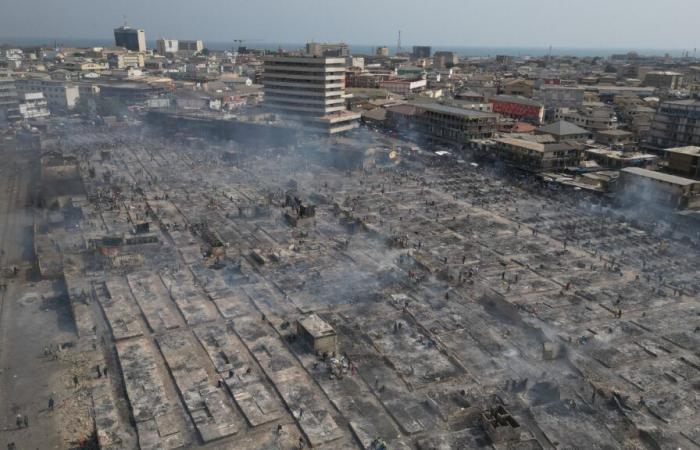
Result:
pixel 130 38
pixel 34 105
pixel 454 125
pixel 9 104
pixel 61 96
pixel 676 124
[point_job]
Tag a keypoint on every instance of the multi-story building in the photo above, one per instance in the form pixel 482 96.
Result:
pixel 403 86
pixel 421 51
pixel 130 38
pixel 357 62
pixel 327 50
pixel 82 65
pixel 617 159
pixel 190 46
pixel 556 96
pixel 9 104
pixel 536 156
pixel 664 80
pixel 452 124
pixel 520 108
pixel 11 58
pixel 504 59
pixel 658 190
pixel 614 138
pixel 590 118
pixel 564 131
pixel 676 124
pixel 684 161
pixel 442 60
pixel 33 106
pixel 165 46
pixel 124 60
pixel 518 87
pixel 382 51
pixel 60 95
pixel 309 89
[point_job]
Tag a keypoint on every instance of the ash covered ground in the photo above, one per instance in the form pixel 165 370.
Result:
pixel 160 281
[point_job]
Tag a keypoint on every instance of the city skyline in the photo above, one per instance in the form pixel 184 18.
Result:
pixel 534 23
pixel 368 225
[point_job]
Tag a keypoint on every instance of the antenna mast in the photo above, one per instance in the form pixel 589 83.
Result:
pixel 398 44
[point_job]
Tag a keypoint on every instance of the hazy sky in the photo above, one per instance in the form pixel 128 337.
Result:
pixel 561 23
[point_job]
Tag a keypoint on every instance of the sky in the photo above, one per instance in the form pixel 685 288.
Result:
pixel 634 24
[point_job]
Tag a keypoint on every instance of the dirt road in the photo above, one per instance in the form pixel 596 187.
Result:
pixel 34 316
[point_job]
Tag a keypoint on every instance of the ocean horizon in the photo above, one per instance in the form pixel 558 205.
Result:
pixel 365 49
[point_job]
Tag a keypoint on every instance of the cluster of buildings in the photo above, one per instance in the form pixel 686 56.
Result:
pixel 572 115
pixel 453 275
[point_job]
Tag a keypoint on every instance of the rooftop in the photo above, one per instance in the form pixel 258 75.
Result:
pixel 535 146
pixel 615 133
pixel 624 156
pixel 666 178
pixel 689 150
pixel 451 110
pixel 316 326
pixel 516 99
pixel 562 128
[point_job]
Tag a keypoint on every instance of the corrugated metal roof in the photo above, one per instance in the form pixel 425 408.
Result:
pixel 435 107
pixel 666 178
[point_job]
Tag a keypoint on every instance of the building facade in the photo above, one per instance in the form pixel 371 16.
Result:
pixel 382 51
pixel 658 190
pixel 676 124
pixel 421 51
pixel 124 60
pixel 520 108
pixel 522 88
pixel 590 118
pixel 664 80
pixel 556 96
pixel 454 125
pixel 9 103
pixel 536 156
pixel 403 87
pixel 442 60
pixel 165 46
pixel 684 161
pixel 327 50
pixel 60 95
pixel 309 89
pixel 130 38
pixel 195 46
pixel 34 106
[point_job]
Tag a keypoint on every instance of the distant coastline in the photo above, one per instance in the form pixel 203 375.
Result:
pixel 462 50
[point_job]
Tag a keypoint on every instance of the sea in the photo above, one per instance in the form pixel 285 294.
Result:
pixel 364 49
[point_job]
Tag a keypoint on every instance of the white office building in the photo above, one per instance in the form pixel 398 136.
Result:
pixel 309 89
pixel 33 105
